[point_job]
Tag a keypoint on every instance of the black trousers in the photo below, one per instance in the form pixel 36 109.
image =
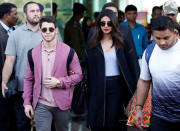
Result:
pixel 6 121
pixel 113 109
pixel 12 116
pixel 158 124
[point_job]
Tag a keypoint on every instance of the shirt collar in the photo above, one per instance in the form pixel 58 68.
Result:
pixel 136 25
pixel 4 26
pixel 51 50
pixel 25 27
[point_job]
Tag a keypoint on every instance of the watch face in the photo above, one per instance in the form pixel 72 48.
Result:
pixel 58 84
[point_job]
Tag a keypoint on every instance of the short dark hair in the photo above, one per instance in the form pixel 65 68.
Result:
pixel 163 23
pixel 110 4
pixel 28 3
pixel 5 8
pixel 177 26
pixel 78 8
pixel 155 8
pixel 48 19
pixel 130 8
pixel 96 14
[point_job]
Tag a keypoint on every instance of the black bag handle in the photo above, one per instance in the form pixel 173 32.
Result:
pixel 70 57
pixel 30 60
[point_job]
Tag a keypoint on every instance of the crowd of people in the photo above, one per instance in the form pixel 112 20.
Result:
pixel 121 58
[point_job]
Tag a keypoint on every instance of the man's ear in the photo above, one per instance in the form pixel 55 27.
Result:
pixel 39 29
pixel 5 17
pixel 176 32
pixel 56 29
pixel 25 15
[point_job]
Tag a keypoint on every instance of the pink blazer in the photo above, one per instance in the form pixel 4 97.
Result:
pixel 62 96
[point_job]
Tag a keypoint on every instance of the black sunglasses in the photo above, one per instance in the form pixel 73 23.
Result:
pixel 51 29
pixel 103 23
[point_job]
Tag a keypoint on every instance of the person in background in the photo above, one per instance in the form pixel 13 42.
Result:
pixel 8 19
pixel 156 12
pixel 138 31
pixel 86 26
pixel 60 32
pixel 19 42
pixel 111 72
pixel 73 34
pixel 121 16
pixel 54 9
pixel 177 27
pixel 170 9
pixel 50 97
pixel 95 18
pixel 41 7
pixel 163 70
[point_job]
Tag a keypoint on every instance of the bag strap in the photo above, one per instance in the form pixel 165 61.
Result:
pixel 149 51
pixel 30 60
pixel 69 59
pixel 31 63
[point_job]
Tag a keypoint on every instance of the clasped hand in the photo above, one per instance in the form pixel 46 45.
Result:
pixel 50 82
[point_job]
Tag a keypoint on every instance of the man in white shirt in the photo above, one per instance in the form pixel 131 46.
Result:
pixel 163 70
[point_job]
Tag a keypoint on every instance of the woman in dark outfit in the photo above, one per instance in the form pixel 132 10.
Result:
pixel 112 71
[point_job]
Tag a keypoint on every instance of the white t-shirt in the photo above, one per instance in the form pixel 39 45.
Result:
pixel 164 69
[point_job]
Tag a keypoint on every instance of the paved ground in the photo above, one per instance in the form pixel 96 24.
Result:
pixel 78 124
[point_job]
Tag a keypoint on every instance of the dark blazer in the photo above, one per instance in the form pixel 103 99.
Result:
pixel 3 42
pixel 73 36
pixel 95 63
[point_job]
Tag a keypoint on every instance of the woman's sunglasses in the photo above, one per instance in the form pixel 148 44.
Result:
pixel 51 29
pixel 103 23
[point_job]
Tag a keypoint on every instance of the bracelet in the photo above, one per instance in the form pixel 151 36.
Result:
pixel 139 105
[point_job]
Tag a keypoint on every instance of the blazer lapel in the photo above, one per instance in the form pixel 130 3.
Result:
pixel 57 57
pixel 99 48
pixel 38 56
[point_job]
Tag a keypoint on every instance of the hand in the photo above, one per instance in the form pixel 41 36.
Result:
pixel 139 118
pixel 50 82
pixel 29 111
pixel 4 88
pixel 71 72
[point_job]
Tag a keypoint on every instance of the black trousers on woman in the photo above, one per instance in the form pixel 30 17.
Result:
pixel 113 103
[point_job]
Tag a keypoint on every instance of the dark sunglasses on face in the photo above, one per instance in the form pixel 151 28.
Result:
pixel 51 29
pixel 103 23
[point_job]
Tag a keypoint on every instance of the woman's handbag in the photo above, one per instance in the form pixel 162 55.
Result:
pixel 146 110
pixel 79 101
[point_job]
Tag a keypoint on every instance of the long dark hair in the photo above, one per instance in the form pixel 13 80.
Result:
pixel 115 33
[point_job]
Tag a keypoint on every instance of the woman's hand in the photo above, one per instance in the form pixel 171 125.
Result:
pixel 139 118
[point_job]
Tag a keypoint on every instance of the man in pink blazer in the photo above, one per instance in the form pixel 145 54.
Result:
pixel 47 91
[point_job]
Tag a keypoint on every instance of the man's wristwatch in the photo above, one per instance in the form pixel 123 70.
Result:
pixel 58 84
